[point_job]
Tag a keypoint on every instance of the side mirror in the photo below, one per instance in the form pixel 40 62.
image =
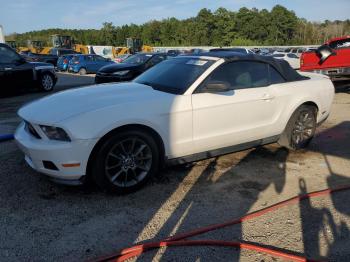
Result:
pixel 217 87
pixel 323 52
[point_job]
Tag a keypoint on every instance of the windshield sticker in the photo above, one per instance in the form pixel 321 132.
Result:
pixel 196 62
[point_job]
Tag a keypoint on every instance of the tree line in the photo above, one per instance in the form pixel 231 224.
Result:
pixel 222 27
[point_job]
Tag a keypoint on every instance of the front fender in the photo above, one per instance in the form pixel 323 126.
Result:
pixel 96 124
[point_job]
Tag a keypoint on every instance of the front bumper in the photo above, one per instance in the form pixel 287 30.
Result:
pixel 38 151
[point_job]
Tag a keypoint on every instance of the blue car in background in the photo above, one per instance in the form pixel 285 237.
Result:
pixel 84 64
pixel 63 61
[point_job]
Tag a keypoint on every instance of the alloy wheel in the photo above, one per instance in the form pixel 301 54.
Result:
pixel 128 162
pixel 304 128
pixel 47 82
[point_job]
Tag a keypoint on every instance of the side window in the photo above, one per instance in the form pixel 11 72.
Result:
pixel 275 77
pixel 241 75
pixel 156 59
pixel 292 56
pixel 99 59
pixel 8 56
pixel 89 58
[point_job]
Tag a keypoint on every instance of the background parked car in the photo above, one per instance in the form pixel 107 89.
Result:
pixel 130 68
pixel 291 58
pixel 50 58
pixel 63 61
pixel 16 72
pixel 297 51
pixel 236 49
pixel 84 64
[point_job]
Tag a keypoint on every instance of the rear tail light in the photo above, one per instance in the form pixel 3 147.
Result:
pixel 65 61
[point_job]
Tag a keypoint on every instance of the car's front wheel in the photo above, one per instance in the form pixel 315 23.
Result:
pixel 125 161
pixel 300 129
pixel 47 82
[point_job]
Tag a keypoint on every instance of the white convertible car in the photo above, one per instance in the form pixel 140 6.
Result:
pixel 184 109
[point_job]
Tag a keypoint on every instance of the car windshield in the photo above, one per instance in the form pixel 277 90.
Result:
pixel 174 75
pixel 340 43
pixel 138 59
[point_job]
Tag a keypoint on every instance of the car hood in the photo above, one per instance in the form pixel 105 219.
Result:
pixel 63 105
pixel 118 67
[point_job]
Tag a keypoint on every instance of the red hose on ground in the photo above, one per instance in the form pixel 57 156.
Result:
pixel 178 240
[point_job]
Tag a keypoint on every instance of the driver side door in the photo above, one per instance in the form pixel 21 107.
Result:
pixel 243 114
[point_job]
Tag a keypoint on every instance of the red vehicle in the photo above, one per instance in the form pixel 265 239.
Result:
pixel 332 59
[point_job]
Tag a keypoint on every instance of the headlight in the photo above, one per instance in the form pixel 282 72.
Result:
pixel 55 133
pixel 121 73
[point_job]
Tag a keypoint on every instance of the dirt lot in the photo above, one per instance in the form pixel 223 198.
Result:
pixel 41 221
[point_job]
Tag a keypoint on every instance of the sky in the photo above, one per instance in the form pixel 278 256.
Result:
pixel 27 15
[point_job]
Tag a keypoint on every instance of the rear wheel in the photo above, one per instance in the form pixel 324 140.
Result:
pixel 300 128
pixel 82 71
pixel 125 161
pixel 47 82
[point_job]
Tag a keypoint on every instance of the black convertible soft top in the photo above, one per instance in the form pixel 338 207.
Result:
pixel 280 65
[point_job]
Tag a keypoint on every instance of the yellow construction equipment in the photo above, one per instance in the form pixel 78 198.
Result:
pixel 133 45
pixel 65 41
pixel 37 47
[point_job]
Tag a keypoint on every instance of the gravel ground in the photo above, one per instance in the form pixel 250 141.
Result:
pixel 41 221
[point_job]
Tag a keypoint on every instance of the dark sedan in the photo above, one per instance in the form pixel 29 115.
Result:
pixel 16 72
pixel 130 68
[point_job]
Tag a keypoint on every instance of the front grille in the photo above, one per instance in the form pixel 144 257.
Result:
pixel 30 129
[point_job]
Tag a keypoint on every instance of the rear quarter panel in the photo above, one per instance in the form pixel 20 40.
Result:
pixel 318 90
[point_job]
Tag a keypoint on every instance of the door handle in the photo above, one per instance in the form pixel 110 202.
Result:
pixel 8 68
pixel 267 97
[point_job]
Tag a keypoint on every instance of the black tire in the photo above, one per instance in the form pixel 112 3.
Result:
pixel 46 82
pixel 120 157
pixel 300 129
pixel 82 71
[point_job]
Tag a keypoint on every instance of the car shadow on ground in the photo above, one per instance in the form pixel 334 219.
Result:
pixel 246 180
pixel 333 142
